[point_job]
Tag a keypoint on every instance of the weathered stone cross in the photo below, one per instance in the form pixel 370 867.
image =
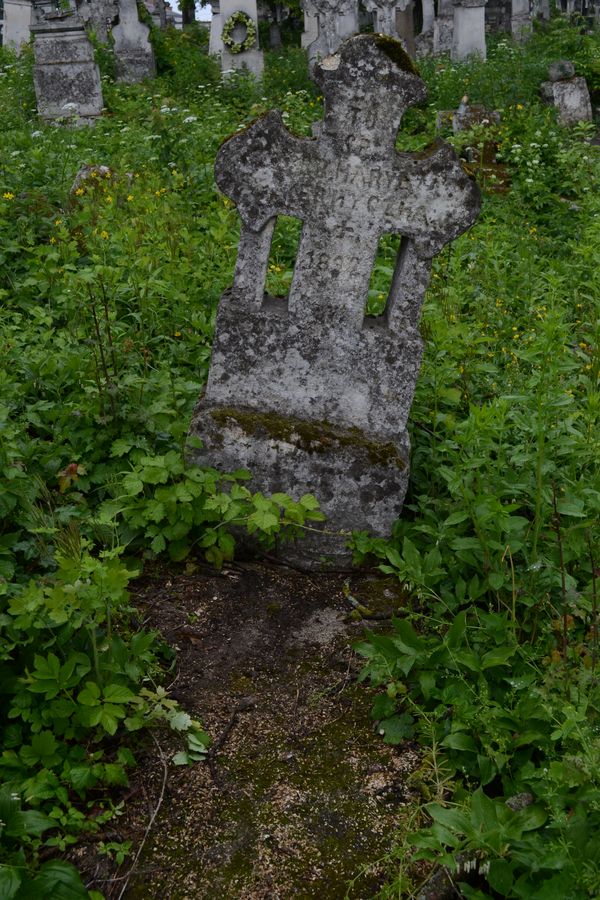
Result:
pixel 309 394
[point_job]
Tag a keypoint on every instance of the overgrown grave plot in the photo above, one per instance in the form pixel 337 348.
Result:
pixel 299 796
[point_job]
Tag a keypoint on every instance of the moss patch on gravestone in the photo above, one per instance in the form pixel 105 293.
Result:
pixel 312 437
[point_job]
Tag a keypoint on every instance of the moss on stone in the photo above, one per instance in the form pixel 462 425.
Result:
pixel 396 52
pixel 312 437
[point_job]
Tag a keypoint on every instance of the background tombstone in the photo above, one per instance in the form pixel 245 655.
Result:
pixel 443 26
pixel 335 21
pixel 468 32
pixel 134 56
pixel 65 74
pixel 215 44
pixel 308 393
pixel 15 23
pixel 405 25
pixel 234 29
pixel 98 16
pixel 520 19
pixel 384 15
pixel 568 93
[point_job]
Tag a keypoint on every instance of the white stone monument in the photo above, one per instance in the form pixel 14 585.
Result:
pixel 468 32
pixel 134 56
pixel 234 35
pixel 16 23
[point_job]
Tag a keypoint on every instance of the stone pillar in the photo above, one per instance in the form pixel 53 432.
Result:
pixel 443 27
pixel 520 19
pixel 134 56
pixel 65 75
pixel 250 58
pixel 468 36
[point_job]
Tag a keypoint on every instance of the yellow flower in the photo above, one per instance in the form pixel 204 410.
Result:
pixel 109 199
pixel 8 195
pixel 104 235
pixel 57 222
pixel 52 240
pixel 79 192
pixel 519 106
pixel 157 193
pixel 129 198
pixel 177 334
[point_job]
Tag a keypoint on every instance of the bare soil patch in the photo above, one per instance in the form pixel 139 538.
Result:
pixel 300 798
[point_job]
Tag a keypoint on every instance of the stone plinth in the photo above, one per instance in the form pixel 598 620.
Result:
pixel 134 56
pixel 569 94
pixel 468 33
pixel 65 75
pixel 307 393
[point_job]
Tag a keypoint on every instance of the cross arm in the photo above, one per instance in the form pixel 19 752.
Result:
pixel 267 171
pixel 433 201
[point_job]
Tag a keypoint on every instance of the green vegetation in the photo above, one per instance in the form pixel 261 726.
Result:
pixel 108 291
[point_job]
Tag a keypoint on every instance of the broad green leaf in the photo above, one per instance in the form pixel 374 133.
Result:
pixel 118 693
pixel 499 656
pixel 455 633
pixel 397 728
pixel 10 881
pixel 460 740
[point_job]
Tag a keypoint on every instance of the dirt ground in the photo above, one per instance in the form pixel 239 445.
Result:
pixel 300 797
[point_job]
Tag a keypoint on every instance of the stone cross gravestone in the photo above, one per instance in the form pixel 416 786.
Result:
pixel 134 56
pixel 98 16
pixel 384 14
pixel 65 75
pixel 308 393
pixel 326 24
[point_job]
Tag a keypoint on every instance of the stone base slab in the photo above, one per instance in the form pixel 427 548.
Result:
pixel 359 482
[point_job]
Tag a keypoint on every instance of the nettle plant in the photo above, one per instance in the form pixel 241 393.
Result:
pixel 163 504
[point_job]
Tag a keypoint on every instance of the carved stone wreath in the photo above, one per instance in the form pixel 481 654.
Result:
pixel 239 18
